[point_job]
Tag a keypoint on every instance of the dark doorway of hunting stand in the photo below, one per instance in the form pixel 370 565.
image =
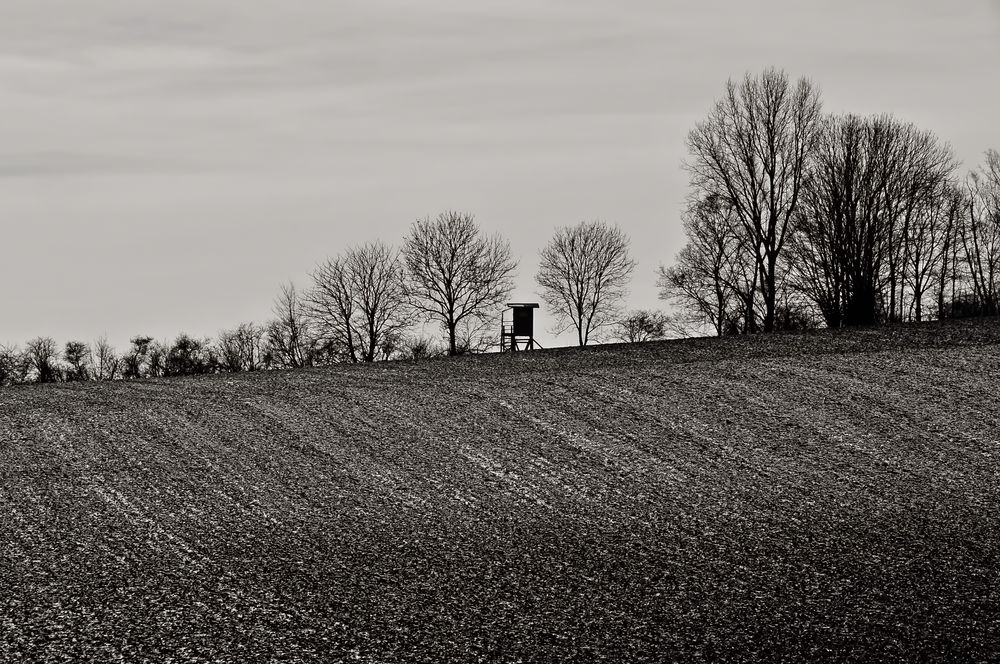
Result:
pixel 517 329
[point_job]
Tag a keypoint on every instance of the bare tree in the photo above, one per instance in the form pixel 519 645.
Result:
pixel 584 273
pixel 188 356
pixel 15 367
pixel 869 224
pixel 135 363
pixel 841 241
pixel 8 360
pixel 104 360
pixel 454 273
pixel 77 357
pixel 753 149
pixel 981 234
pixel 156 360
pixel 332 308
pixel 930 243
pixel 288 335
pixel 242 348
pixel 642 325
pixel 948 273
pixel 358 301
pixel 714 277
pixel 924 168
pixel 43 358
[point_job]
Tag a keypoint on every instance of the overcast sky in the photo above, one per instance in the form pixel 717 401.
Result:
pixel 164 166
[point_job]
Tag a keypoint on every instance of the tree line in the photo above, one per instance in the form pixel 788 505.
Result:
pixel 367 303
pixel 797 218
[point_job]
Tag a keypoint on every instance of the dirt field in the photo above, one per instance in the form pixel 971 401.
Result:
pixel 831 496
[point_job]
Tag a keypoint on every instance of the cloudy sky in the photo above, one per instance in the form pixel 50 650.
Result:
pixel 165 165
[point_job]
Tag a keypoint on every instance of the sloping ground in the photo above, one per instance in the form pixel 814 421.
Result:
pixel 794 498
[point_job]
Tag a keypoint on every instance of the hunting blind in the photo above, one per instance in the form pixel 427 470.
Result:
pixel 517 330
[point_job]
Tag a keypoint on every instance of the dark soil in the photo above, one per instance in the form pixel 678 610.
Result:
pixel 828 496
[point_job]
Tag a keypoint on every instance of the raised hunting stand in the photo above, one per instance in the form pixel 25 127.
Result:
pixel 517 332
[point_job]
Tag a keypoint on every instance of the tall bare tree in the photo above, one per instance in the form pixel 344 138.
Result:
pixel 841 241
pixel 289 337
pixel 981 234
pixel 924 168
pixel 455 274
pixel 584 273
pixel 930 244
pixel 753 149
pixel 949 271
pixel 870 219
pixel 358 301
pixel 714 276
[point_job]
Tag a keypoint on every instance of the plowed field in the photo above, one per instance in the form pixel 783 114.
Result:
pixel 829 496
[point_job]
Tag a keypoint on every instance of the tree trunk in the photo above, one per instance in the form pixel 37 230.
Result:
pixel 352 351
pixel 721 312
pixel 770 294
pixel 452 342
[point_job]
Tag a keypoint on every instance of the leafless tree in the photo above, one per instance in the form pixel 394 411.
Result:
pixel 156 360
pixel 77 357
pixel 242 348
pixel 43 358
pixel 642 325
pixel 135 363
pixel 981 234
pixel 871 209
pixel 924 169
pixel 358 301
pixel 8 360
pixel 332 308
pixel 15 367
pixel 841 240
pixel 104 360
pixel 289 338
pixel 714 276
pixel 753 149
pixel 584 273
pixel 929 245
pixel 455 274
pixel 188 356
pixel 949 272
